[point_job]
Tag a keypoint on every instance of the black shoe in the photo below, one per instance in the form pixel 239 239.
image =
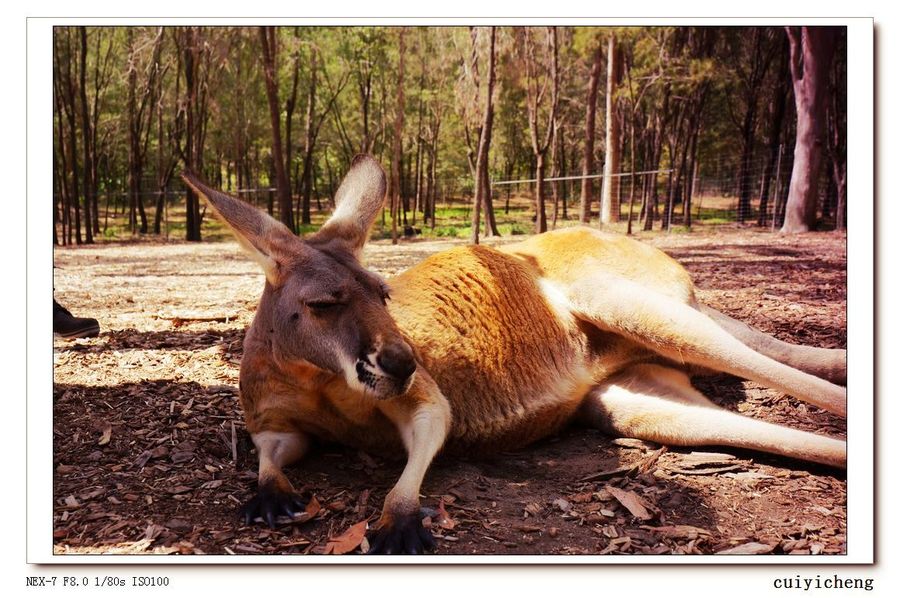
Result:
pixel 68 326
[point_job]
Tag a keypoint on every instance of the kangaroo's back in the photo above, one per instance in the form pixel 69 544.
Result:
pixel 567 255
pixel 500 340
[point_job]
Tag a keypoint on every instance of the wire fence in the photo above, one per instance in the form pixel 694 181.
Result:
pixel 720 192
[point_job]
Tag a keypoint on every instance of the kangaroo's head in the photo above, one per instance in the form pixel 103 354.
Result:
pixel 320 307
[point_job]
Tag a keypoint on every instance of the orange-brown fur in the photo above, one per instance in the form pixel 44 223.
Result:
pixel 506 383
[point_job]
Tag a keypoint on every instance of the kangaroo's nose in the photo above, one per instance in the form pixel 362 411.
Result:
pixel 397 360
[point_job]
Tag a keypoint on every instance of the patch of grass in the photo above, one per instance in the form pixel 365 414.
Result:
pixel 446 231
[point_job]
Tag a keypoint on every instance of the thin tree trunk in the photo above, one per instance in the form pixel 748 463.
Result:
pixel 609 201
pixel 397 141
pixel 539 147
pixel 192 69
pixel 777 106
pixel 69 100
pixel 482 184
pixel 86 137
pixel 305 178
pixel 268 37
pixel 587 185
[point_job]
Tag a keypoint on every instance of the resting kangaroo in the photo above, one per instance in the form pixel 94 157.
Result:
pixel 477 347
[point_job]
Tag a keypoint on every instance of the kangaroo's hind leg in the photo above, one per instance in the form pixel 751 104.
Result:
pixel 658 403
pixel 830 364
pixel 677 331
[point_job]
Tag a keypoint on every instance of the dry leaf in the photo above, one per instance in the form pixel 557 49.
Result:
pixel 348 541
pixel 679 532
pixel 707 470
pixel 106 436
pixel 631 501
pixel 442 519
pixel 749 548
pixel 312 509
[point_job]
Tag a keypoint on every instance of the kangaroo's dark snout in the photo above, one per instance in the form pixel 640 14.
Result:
pixel 397 360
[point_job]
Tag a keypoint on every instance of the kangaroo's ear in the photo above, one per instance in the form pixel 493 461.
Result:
pixel 267 241
pixel 357 202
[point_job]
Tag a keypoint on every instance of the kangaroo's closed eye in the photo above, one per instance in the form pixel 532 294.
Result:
pixel 324 305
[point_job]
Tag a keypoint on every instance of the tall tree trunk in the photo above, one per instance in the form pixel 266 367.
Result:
pixel 397 153
pixel 268 37
pixel 306 177
pixel 540 146
pixel 162 182
pixel 482 183
pixel 836 135
pixel 188 52
pixel 86 140
pixel 609 201
pixel 69 104
pixel 776 110
pixel 811 52
pixel 587 168
pixel 60 153
pixel 133 136
pixel 289 106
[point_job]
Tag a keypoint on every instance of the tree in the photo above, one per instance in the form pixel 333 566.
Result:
pixel 539 75
pixel 777 109
pixel 811 50
pixel 201 56
pixel 609 201
pixel 269 39
pixel 482 182
pixel 397 147
pixel 166 157
pixel 65 58
pixel 314 119
pixel 86 139
pixel 751 55
pixel 140 119
pixel 587 163
pixel 836 136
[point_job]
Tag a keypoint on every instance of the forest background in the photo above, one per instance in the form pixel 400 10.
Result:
pixel 637 128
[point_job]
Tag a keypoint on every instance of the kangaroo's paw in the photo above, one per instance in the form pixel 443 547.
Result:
pixel 269 504
pixel 401 535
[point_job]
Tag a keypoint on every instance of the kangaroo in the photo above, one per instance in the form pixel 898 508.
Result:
pixel 477 348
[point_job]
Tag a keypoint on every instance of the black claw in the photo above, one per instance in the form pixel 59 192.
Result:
pixel 406 535
pixel 375 545
pixel 426 538
pixel 269 504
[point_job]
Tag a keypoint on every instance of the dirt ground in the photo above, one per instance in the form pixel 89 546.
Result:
pixel 151 454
